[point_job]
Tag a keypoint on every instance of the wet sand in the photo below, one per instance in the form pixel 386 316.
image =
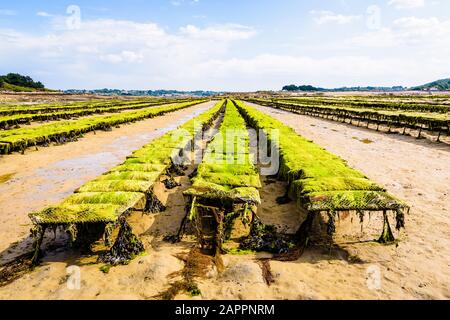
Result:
pixel 418 268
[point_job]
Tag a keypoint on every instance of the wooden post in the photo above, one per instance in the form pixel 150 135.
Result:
pixel 38 233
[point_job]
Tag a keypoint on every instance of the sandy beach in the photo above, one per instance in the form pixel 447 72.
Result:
pixel 418 267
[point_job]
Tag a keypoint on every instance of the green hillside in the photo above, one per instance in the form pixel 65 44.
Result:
pixel 19 83
pixel 442 85
pixel 10 87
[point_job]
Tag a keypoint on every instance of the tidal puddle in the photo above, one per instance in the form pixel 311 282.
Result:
pixel 365 141
pixel 6 177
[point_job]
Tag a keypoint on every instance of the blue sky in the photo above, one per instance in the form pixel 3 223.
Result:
pixel 225 45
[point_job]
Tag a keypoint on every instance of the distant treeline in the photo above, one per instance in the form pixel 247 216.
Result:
pixel 293 87
pixel 120 92
pixel 20 80
pixel 439 85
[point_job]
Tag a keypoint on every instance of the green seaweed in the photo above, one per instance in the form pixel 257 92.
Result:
pixel 426 117
pixel 224 174
pixel 64 131
pixel 321 181
pixel 240 252
pixel 26 114
pixel 225 184
pixel 106 268
pixel 6 177
pixel 105 202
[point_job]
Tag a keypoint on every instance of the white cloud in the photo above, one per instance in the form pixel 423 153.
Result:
pixel 43 14
pixel 119 53
pixel 226 32
pixel 278 70
pixel 427 34
pixel 415 23
pixel 407 4
pixel 381 38
pixel 324 17
pixel 126 54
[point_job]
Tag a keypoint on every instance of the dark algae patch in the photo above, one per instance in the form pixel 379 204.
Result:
pixel 196 265
pixel 366 141
pixel 6 177
pixel 126 247
pixel 265 238
pixel 266 271
pixel 15 269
